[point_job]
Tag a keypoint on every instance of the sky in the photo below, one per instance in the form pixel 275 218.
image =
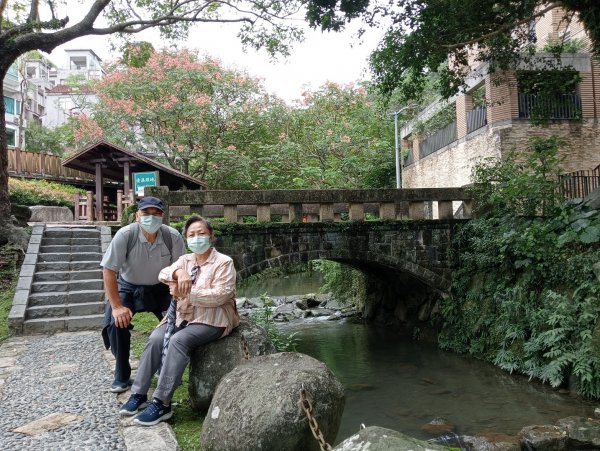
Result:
pixel 335 57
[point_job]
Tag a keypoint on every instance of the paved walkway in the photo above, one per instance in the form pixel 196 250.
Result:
pixel 54 396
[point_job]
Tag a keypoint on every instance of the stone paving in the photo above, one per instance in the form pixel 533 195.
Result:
pixel 54 395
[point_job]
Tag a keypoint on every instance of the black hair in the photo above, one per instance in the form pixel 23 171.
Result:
pixel 193 219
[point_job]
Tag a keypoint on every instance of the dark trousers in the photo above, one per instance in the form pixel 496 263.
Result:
pixel 137 298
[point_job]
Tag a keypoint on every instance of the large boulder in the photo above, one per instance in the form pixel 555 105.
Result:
pixel 375 438
pixel 257 406
pixel 208 364
pixel 584 433
pixel 544 438
pixel 43 213
pixel 21 213
pixel 491 441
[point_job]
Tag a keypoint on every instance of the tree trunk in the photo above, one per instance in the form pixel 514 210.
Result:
pixel 4 195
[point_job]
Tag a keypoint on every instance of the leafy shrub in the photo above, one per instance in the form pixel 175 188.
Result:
pixel 41 192
pixel 264 317
pixel 525 295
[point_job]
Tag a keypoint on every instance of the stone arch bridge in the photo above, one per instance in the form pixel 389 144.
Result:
pixel 399 239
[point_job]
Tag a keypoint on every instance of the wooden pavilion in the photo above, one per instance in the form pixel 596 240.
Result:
pixel 114 168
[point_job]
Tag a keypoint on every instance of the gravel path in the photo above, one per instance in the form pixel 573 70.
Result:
pixel 62 379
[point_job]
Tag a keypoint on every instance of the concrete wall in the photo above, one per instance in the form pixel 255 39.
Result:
pixel 452 166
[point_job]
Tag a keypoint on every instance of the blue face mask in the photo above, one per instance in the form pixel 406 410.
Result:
pixel 150 223
pixel 199 244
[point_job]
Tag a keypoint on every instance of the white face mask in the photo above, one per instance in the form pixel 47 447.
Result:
pixel 150 223
pixel 199 244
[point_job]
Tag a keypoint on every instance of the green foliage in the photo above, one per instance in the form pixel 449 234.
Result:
pixel 525 295
pixel 42 139
pixel 560 46
pixel 264 317
pixel 423 35
pixel 524 183
pixel 10 262
pixel 41 192
pixel 346 284
pixel 439 120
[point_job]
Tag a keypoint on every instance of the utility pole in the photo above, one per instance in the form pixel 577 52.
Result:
pixel 399 160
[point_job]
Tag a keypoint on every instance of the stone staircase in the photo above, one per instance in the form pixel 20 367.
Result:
pixel 64 279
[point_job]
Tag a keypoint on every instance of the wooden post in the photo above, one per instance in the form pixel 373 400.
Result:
pixel 263 213
pixel 90 206
pixel 99 193
pixel 126 178
pixel 76 198
pixel 18 160
pixel 43 163
pixel 119 204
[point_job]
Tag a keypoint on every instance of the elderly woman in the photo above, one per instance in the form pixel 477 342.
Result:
pixel 203 287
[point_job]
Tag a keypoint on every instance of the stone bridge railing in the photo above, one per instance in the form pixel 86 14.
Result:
pixel 317 205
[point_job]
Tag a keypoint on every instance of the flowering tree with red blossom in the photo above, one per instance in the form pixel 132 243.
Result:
pixel 191 112
pixel 27 25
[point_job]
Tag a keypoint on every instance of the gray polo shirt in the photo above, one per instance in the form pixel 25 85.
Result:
pixel 145 260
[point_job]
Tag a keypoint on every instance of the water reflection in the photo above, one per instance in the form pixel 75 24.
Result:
pixel 403 385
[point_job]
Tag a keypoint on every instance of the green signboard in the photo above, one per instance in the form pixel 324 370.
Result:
pixel 143 179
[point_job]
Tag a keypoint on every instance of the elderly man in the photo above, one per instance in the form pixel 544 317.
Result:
pixel 130 271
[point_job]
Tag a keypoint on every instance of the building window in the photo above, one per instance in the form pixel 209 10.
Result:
pixel 78 62
pixel 13 72
pixel 9 105
pixel 11 137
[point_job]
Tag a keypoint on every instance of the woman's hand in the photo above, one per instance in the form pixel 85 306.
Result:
pixel 184 284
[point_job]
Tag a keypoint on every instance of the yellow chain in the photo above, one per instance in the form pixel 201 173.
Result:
pixel 312 421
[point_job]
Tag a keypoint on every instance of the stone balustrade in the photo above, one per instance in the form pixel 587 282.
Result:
pixel 317 205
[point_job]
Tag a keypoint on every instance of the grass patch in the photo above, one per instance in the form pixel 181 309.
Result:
pixel 186 423
pixel 10 265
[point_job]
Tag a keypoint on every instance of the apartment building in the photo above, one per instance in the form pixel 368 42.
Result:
pixel 37 91
pixel 494 114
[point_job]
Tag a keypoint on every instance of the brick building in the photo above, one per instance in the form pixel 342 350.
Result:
pixel 493 115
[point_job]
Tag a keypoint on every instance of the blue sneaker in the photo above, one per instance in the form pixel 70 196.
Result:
pixel 154 413
pixel 133 404
pixel 120 387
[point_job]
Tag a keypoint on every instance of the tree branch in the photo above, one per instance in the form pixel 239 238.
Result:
pixel 502 29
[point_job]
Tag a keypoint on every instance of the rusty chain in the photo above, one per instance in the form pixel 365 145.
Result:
pixel 312 421
pixel 245 348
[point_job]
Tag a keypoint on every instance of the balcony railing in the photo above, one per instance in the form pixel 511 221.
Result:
pixel 561 106
pixel 580 183
pixel 476 119
pixel 437 140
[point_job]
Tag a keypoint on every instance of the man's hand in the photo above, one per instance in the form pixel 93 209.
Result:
pixel 122 316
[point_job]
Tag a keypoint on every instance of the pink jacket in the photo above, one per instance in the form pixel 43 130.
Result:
pixel 212 299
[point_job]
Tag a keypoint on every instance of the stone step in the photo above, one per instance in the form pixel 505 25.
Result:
pixel 67 266
pixel 55 276
pixel 46 241
pixel 71 323
pixel 62 248
pixel 66 310
pixel 71 233
pixel 70 285
pixel 64 297
pixel 70 257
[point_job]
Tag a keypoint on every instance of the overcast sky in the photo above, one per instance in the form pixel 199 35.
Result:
pixel 335 57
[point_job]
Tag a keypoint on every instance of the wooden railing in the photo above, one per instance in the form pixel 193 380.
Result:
pixel 85 207
pixel 317 205
pixel 42 165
